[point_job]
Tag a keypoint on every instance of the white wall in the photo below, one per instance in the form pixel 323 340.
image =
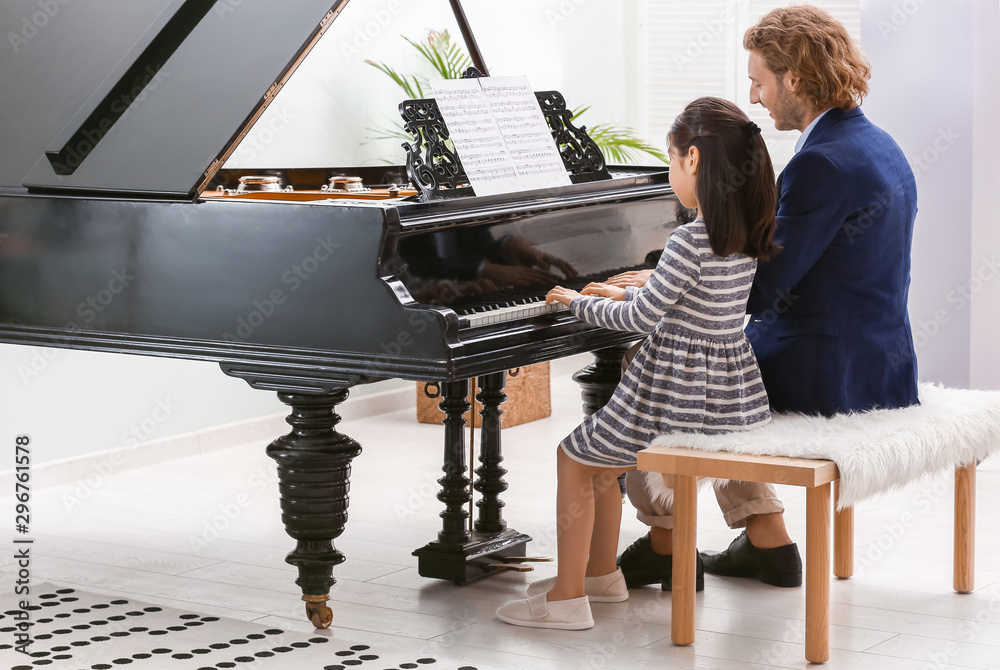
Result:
pixel 73 402
pixel 924 93
pixel 985 321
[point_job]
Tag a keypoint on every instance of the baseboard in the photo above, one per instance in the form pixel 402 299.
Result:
pixel 100 464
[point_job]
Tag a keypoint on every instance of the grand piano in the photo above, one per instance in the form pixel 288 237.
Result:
pixel 121 230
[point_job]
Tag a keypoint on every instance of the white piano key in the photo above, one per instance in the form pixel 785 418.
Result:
pixel 505 314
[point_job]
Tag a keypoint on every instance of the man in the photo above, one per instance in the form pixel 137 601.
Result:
pixel 828 321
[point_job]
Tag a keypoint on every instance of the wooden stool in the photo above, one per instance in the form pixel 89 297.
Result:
pixel 687 465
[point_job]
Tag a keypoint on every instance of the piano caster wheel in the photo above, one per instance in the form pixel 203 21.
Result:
pixel 317 611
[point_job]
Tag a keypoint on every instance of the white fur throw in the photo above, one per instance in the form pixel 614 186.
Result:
pixel 875 451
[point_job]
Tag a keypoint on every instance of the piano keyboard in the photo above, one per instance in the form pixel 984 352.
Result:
pixel 511 304
pixel 504 314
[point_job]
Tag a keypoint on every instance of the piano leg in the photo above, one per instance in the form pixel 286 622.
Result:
pixel 457 554
pixel 489 474
pixel 599 379
pixel 314 469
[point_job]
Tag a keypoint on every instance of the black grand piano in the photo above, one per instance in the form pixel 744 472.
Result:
pixel 122 231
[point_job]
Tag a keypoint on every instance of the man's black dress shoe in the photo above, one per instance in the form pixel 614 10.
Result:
pixel 641 566
pixel 780 566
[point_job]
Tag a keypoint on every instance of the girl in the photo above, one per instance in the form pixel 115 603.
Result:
pixel 694 372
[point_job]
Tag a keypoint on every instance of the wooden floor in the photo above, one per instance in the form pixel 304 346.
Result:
pixel 204 533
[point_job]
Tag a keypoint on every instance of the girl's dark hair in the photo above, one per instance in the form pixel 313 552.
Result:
pixel 735 183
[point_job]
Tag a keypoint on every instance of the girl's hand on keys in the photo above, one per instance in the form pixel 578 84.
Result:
pixel 635 278
pixel 604 290
pixel 560 294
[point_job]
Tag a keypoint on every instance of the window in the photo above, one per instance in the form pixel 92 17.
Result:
pixel 690 49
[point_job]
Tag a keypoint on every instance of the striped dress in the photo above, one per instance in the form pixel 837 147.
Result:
pixel 695 371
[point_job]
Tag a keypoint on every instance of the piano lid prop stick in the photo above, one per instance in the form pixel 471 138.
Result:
pixel 470 39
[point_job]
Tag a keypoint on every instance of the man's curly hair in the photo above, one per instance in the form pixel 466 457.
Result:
pixel 816 48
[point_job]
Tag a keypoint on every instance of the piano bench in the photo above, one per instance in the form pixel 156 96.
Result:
pixel 950 429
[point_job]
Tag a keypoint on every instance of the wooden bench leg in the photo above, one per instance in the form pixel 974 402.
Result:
pixel 818 574
pixel 843 537
pixel 965 529
pixel 685 546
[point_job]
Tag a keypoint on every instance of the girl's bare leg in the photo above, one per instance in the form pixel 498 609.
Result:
pixel 581 489
pixel 607 523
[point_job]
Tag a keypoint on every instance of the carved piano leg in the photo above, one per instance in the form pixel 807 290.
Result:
pixel 457 554
pixel 314 469
pixel 489 475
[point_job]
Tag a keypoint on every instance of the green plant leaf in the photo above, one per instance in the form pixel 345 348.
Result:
pixel 620 145
pixel 449 61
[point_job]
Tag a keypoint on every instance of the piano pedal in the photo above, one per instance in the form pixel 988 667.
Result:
pixel 526 559
pixel 506 567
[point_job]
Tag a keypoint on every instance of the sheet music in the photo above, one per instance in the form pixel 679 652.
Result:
pixel 500 134
pixel 525 131
pixel 476 135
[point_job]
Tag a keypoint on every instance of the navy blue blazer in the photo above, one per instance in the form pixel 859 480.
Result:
pixel 829 323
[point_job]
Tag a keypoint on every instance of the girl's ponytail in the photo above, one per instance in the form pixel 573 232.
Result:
pixel 735 183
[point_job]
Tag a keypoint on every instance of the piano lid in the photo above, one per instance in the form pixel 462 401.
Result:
pixel 169 88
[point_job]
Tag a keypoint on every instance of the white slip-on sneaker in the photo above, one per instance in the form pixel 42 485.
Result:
pixel 609 588
pixel 536 612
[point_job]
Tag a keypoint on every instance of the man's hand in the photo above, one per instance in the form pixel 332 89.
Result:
pixel 516 275
pixel 604 290
pixel 518 251
pixel 634 278
pixel 560 294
